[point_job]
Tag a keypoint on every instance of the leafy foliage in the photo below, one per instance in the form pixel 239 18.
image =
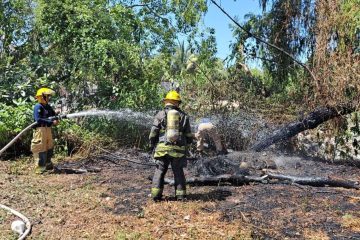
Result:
pixel 118 53
pixel 288 25
pixel 321 34
pixel 102 54
pixel 337 53
pixel 12 121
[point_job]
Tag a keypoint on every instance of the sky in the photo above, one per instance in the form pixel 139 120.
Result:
pixel 216 19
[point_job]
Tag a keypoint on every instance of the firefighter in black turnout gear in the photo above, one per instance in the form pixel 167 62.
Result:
pixel 169 136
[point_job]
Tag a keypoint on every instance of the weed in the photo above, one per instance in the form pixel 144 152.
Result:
pixel 121 235
pixel 350 221
pixel 20 167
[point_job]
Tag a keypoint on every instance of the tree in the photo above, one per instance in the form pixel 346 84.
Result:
pixel 15 41
pixel 336 56
pixel 288 25
pixel 324 35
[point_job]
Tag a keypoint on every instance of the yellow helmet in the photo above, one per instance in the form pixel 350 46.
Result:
pixel 44 91
pixel 173 95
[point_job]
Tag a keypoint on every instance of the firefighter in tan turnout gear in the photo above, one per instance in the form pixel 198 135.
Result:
pixel 169 136
pixel 206 130
pixel 42 142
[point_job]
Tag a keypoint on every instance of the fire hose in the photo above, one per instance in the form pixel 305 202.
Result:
pixel 25 219
pixel 59 117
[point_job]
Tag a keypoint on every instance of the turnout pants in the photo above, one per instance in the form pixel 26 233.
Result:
pixel 162 165
pixel 42 148
pixel 207 130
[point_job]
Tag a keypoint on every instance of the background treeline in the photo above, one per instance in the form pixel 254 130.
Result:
pixel 113 54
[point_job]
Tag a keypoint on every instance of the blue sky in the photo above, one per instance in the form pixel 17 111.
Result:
pixel 214 18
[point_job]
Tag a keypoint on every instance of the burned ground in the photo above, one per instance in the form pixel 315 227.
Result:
pixel 114 203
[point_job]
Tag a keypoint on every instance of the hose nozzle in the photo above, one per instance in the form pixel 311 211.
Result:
pixel 58 117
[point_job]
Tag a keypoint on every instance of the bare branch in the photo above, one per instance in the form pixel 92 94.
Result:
pixel 265 42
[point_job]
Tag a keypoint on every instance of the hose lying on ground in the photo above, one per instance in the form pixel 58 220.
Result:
pixel 17 136
pixel 25 219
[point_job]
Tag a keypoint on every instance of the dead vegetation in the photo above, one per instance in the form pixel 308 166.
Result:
pixel 114 204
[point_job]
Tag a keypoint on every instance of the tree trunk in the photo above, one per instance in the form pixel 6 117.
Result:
pixel 311 121
pixel 314 181
pixel 236 179
pixel 233 179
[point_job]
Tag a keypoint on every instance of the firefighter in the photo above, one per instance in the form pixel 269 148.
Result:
pixel 42 142
pixel 169 136
pixel 207 130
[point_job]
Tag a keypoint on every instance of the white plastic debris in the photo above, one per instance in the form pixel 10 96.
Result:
pixel 18 226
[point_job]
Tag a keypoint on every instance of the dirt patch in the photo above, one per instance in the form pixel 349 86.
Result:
pixel 114 203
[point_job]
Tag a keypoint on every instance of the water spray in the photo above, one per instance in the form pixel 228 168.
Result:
pixel 124 114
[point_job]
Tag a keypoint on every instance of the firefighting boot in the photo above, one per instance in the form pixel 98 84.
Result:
pixel 40 159
pixel 180 195
pixel 156 194
pixel 48 164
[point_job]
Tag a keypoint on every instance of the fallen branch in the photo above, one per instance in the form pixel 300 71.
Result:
pixel 67 170
pixel 25 219
pixel 311 121
pixel 216 180
pixel 236 179
pixel 314 181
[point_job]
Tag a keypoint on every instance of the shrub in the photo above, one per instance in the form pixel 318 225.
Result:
pixel 13 119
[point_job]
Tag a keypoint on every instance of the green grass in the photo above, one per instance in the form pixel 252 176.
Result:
pixel 122 235
pixel 5 226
